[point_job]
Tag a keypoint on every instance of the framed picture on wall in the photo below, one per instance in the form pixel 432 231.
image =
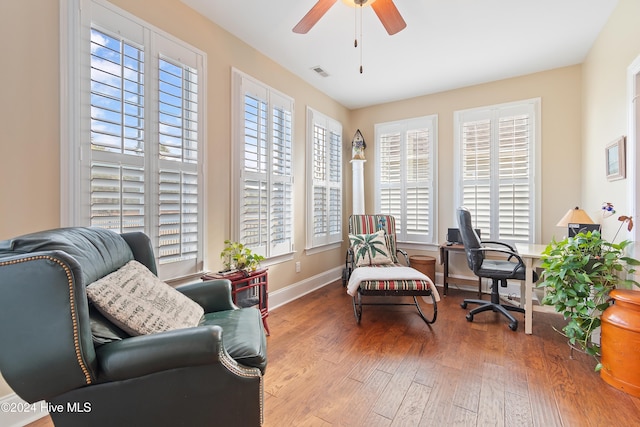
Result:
pixel 615 157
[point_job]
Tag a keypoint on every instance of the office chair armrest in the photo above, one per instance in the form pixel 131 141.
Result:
pixel 494 242
pixel 406 256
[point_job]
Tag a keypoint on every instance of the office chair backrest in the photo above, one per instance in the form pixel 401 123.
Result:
pixel 470 239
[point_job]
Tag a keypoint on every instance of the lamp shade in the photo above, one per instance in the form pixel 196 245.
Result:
pixel 575 216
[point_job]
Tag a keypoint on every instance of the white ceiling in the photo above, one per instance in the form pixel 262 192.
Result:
pixel 447 44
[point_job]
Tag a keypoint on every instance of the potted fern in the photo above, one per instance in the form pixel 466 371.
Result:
pixel 579 272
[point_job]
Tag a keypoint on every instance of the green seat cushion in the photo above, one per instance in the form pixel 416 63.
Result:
pixel 242 335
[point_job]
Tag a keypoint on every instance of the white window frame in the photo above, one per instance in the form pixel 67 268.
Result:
pixel 245 85
pixel 77 17
pixel 328 236
pixel 493 113
pixel 425 234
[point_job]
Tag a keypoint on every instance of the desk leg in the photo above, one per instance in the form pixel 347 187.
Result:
pixel 446 270
pixel 528 295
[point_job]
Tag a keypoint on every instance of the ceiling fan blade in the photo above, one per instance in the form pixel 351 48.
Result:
pixel 389 16
pixel 313 16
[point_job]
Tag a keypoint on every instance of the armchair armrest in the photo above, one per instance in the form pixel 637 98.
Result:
pixel 146 354
pixel 212 295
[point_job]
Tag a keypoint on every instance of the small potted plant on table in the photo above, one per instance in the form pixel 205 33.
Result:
pixel 236 256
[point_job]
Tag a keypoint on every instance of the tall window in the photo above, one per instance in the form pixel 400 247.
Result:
pixel 139 137
pixel 324 180
pixel 405 176
pixel 496 158
pixel 263 123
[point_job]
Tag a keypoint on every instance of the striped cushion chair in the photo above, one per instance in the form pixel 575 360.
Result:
pixel 372 267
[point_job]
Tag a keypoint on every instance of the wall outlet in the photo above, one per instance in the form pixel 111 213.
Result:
pixel 297 266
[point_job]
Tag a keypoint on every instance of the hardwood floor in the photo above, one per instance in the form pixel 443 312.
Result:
pixel 394 370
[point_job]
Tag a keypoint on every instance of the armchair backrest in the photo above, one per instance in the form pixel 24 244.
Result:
pixel 45 329
pixel 470 240
pixel 369 224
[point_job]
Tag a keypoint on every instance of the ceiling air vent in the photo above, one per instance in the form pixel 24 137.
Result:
pixel 318 69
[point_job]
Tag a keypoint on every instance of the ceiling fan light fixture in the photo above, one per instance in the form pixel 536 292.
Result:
pixel 356 3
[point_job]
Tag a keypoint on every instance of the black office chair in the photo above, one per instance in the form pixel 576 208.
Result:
pixel 498 270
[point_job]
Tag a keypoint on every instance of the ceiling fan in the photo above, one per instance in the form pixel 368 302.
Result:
pixel 385 9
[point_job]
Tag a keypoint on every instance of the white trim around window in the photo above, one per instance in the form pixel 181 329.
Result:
pixel 497 169
pixel 133 108
pixel 262 167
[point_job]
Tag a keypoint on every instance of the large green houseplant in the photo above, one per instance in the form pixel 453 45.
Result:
pixel 579 273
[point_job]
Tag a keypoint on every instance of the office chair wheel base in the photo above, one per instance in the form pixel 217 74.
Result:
pixel 463 304
pixel 513 326
pixel 469 317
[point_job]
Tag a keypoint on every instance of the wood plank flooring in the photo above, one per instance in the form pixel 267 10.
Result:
pixel 394 370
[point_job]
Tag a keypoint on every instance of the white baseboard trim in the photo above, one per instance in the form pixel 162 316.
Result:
pixel 292 292
pixel 15 412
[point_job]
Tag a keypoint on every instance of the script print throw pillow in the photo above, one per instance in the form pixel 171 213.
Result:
pixel 135 300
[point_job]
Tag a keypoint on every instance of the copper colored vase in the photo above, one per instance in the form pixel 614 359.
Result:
pixel 620 342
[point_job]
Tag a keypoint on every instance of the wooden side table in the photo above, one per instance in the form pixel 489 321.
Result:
pixel 248 290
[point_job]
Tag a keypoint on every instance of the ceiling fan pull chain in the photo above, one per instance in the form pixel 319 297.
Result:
pixel 361 38
pixel 355 27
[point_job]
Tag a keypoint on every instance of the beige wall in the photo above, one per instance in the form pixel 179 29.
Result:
pixel 29 123
pixel 559 91
pixel 29 118
pixel 605 110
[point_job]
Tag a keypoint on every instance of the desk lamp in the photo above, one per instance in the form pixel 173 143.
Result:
pixel 574 216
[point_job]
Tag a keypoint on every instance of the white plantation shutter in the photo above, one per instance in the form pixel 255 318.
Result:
pixel 117 134
pixel 335 184
pixel 117 197
pixel 254 213
pixel 418 183
pixel 324 193
pixel 264 132
pixel 497 159
pixel 390 181
pixel 405 171
pixel 178 160
pixel 281 238
pixel 141 144
pixel 514 160
pixel 476 172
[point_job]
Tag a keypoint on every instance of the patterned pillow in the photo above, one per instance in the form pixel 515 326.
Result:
pixel 136 301
pixel 370 249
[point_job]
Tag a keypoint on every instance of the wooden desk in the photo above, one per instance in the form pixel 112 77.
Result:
pixel 248 290
pixel 444 259
pixel 531 255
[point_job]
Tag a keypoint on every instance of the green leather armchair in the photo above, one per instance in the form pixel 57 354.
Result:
pixel 56 347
